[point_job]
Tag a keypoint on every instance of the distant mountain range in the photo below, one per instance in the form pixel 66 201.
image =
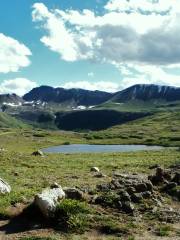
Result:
pixel 60 95
pixel 81 97
pixel 146 92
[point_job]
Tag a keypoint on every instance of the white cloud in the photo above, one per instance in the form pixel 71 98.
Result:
pixel 101 86
pixel 131 35
pixel 19 86
pixel 13 54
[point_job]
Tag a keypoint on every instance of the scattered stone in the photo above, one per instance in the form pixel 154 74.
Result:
pixel 99 175
pixel 136 197
pixel 141 187
pixel 4 187
pixel 176 178
pixel 95 169
pixel 146 194
pixel 104 187
pixel 38 153
pixel 48 199
pixel 74 193
pixel 169 186
pixel 124 196
pixel 116 184
pixel 128 207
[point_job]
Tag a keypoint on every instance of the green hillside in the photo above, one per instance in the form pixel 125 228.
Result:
pixel 6 121
pixel 161 128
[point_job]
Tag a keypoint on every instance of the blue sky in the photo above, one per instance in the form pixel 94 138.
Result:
pixel 95 44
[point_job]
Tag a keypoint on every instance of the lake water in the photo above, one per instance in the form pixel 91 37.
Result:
pixel 85 148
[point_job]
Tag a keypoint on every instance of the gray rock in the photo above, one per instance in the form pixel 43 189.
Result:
pixel 136 197
pixel 124 196
pixel 4 187
pixel 128 207
pixel 146 194
pixel 99 175
pixel 95 169
pixel 73 193
pixel 141 187
pixel 176 178
pixel 38 153
pixel 48 199
pixel 169 186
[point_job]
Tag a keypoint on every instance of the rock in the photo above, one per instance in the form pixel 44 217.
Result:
pixel 116 184
pixel 131 190
pixel 48 199
pixel 124 196
pixel 149 186
pixel 4 187
pixel 74 193
pixel 141 187
pixel 169 186
pixel 176 178
pixel 146 194
pixel 95 169
pixel 104 187
pixel 136 197
pixel 38 153
pixel 127 207
pixel 99 175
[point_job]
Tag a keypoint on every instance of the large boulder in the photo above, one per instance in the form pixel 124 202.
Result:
pixel 4 187
pixel 48 199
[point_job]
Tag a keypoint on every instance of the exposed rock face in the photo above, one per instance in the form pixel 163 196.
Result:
pixel 4 187
pixel 48 199
pixel 61 95
pixel 147 92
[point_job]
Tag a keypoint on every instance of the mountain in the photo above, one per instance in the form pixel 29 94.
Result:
pixel 60 95
pixel 10 99
pixel 147 92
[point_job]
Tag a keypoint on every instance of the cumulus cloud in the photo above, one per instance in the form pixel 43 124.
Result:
pixel 101 86
pixel 13 54
pixel 19 86
pixel 131 35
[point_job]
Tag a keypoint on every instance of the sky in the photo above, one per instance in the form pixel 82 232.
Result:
pixel 94 44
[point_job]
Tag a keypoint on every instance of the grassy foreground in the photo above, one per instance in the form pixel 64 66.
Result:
pixel 28 174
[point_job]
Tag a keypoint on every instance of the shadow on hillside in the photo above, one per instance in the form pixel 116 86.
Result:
pixel 30 219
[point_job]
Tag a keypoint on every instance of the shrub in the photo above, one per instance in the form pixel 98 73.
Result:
pixel 72 215
pixel 163 231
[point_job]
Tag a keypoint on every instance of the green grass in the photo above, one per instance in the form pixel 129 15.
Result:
pixel 159 129
pixel 6 121
pixel 72 216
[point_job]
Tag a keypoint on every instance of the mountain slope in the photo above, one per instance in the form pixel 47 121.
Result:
pixel 61 95
pixel 6 121
pixel 10 98
pixel 147 92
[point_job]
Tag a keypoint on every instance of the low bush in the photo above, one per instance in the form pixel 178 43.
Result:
pixel 72 216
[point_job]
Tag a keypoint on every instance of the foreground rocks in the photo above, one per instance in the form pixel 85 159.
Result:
pixel 4 187
pixel 131 194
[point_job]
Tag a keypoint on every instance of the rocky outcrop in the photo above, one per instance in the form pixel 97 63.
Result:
pixel 48 199
pixel 4 187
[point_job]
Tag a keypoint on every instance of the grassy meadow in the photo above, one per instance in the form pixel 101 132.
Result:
pixel 28 174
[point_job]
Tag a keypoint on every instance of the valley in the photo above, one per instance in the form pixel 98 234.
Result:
pixel 26 129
